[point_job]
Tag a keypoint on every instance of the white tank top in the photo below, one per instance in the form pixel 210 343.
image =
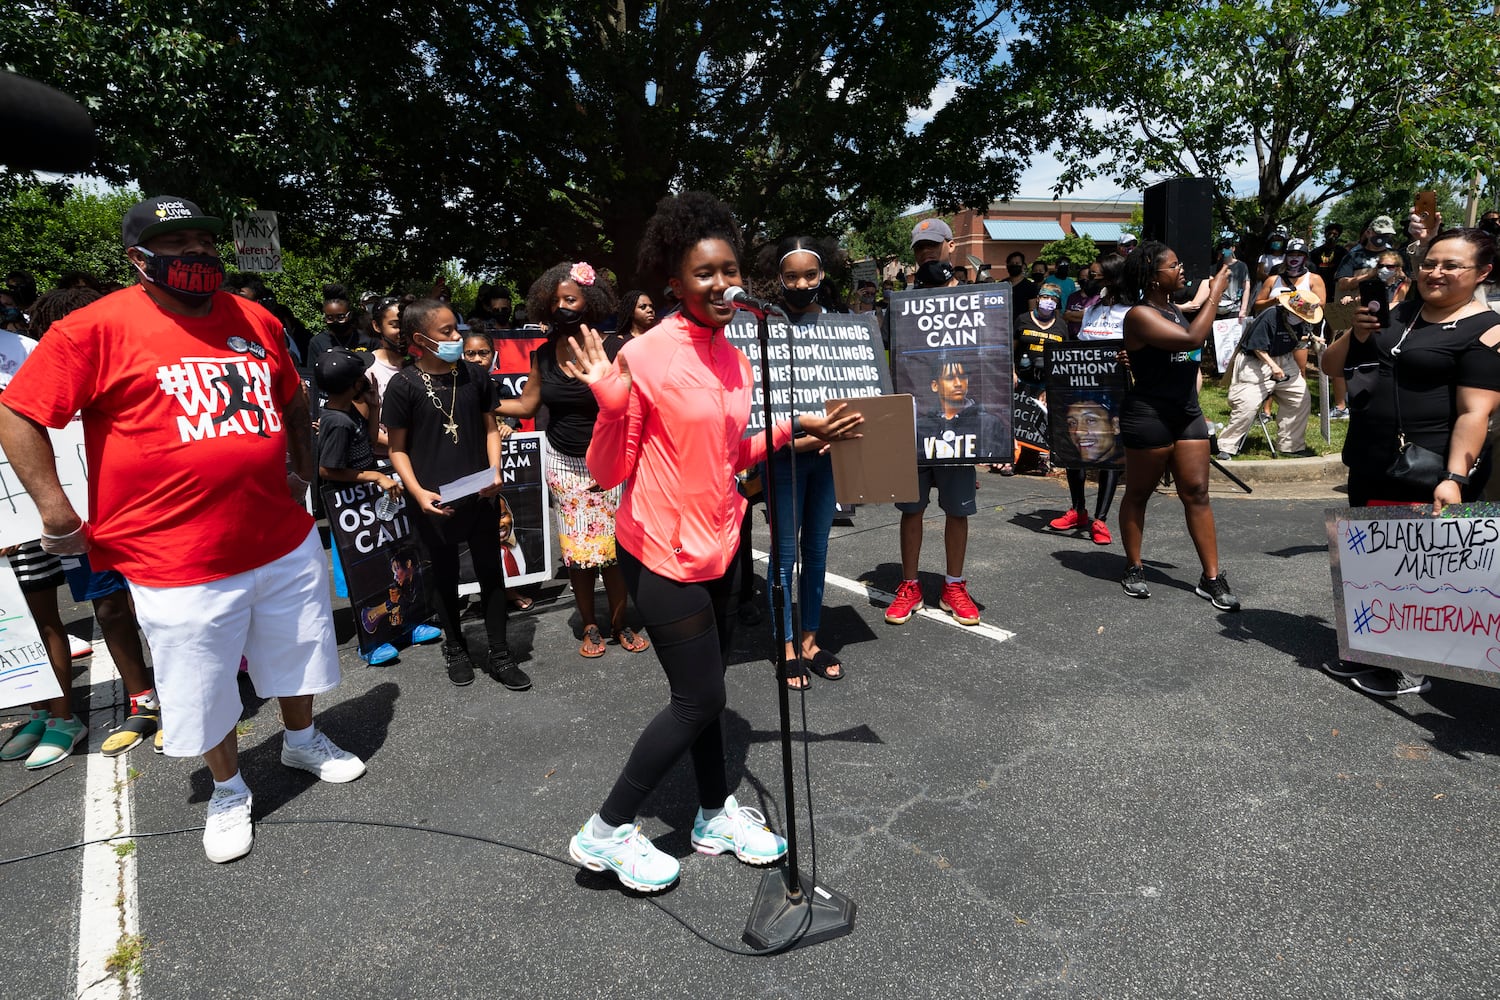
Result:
pixel 1103 322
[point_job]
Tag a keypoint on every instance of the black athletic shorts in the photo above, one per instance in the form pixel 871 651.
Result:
pixel 1146 423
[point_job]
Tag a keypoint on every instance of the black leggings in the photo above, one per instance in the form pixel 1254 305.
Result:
pixel 476 522
pixel 1109 479
pixel 689 630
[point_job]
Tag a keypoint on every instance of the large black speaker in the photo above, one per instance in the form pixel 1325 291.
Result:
pixel 1179 212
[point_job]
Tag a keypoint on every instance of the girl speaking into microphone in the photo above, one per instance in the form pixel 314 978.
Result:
pixel 673 408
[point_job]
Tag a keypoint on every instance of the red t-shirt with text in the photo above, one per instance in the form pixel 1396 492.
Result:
pixel 182 425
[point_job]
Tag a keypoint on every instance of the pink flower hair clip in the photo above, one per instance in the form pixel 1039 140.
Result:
pixel 582 273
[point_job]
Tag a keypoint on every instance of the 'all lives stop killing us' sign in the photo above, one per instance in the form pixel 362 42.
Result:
pixel 836 356
pixel 951 349
pixel 1419 593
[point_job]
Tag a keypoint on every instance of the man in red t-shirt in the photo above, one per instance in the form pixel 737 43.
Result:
pixel 191 408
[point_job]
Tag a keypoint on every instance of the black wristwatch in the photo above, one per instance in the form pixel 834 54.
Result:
pixel 1456 477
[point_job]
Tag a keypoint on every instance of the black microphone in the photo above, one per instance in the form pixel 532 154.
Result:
pixel 49 130
pixel 741 299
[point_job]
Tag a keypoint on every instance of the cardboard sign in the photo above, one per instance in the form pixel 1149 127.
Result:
pixel 1086 384
pixel 383 564
pixel 1227 334
pixel 836 356
pixel 25 672
pixel 257 242
pixel 19 520
pixel 951 350
pixel 1419 593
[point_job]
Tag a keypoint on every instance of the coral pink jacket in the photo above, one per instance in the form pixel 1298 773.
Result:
pixel 675 434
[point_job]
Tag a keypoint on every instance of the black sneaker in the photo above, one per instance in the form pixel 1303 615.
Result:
pixel 1384 683
pixel 460 667
pixel 1217 590
pixel 507 672
pixel 1343 669
pixel 1135 582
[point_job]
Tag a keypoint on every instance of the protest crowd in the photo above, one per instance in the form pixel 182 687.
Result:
pixel 631 408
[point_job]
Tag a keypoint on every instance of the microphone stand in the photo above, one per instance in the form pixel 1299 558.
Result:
pixel 789 911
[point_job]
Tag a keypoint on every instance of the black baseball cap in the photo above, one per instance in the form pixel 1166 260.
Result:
pixel 337 369
pixel 164 214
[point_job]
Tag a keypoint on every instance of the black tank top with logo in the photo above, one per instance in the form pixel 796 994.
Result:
pixel 1166 379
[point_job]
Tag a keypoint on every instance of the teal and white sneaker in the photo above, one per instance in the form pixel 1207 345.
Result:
pixel 628 853
pixel 740 829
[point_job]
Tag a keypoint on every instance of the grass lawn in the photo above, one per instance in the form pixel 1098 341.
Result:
pixel 1214 399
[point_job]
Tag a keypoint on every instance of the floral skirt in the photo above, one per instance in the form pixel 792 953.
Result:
pixel 585 513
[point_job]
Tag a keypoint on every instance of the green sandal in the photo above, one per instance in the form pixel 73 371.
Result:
pixel 25 739
pixel 57 742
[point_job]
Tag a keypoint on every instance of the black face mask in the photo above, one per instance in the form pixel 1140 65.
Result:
pixel 1063 270
pixel 1491 226
pixel 799 298
pixel 934 274
pixel 190 278
pixel 1091 286
pixel 1038 275
pixel 565 317
pixel 503 314
pixel 1013 269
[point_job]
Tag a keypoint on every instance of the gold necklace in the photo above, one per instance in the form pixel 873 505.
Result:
pixel 451 427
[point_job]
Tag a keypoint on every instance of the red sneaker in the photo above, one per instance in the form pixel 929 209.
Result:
pixel 956 601
pixel 907 603
pixel 1101 534
pixel 1068 522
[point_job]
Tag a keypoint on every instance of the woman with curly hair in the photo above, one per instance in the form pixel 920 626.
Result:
pixel 1160 421
pixel 636 316
pixel 570 297
pixel 672 413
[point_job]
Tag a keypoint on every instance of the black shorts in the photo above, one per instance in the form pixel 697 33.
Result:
pixel 1148 424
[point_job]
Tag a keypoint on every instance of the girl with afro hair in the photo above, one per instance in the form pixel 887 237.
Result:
pixel 672 414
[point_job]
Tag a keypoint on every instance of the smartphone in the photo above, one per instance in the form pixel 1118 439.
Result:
pixel 1373 290
pixel 1426 210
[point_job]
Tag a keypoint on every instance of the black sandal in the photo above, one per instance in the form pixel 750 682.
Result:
pixel 822 662
pixel 795 670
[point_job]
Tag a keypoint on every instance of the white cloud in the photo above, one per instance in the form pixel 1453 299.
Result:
pixel 917 118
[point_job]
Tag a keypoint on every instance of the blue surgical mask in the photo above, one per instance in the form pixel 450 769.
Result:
pixel 451 351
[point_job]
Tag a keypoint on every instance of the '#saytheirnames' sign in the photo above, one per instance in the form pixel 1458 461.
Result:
pixel 1419 593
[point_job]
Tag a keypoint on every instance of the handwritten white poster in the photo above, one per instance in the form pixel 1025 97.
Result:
pixel 257 242
pixel 25 672
pixel 1417 592
pixel 19 520
pixel 1227 333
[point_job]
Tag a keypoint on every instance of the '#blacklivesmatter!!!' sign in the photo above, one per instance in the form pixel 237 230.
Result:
pixel 1419 593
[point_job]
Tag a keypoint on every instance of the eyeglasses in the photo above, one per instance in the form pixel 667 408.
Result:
pixel 479 354
pixel 1179 266
pixel 1444 266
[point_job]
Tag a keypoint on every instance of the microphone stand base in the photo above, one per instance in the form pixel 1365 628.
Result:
pixel 779 922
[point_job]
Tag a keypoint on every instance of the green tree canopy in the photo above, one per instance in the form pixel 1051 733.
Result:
pixel 509 136
pixel 1322 97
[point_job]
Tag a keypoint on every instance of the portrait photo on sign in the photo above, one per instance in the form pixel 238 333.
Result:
pixel 1085 387
pixel 525 536
pixel 951 350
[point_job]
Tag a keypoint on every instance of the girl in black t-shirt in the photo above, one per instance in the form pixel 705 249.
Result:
pixel 1160 421
pixel 437 412
pixel 570 297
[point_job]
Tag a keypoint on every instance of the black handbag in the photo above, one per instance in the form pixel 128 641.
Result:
pixel 1413 463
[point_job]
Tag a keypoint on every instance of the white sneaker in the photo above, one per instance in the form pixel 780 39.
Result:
pixel 228 832
pixel 628 853
pixel 78 648
pixel 740 829
pixel 322 757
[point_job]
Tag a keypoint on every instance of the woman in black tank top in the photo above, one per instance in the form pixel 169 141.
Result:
pixel 1160 421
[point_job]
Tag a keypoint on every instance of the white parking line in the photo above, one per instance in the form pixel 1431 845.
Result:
pixel 107 909
pixel 881 597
